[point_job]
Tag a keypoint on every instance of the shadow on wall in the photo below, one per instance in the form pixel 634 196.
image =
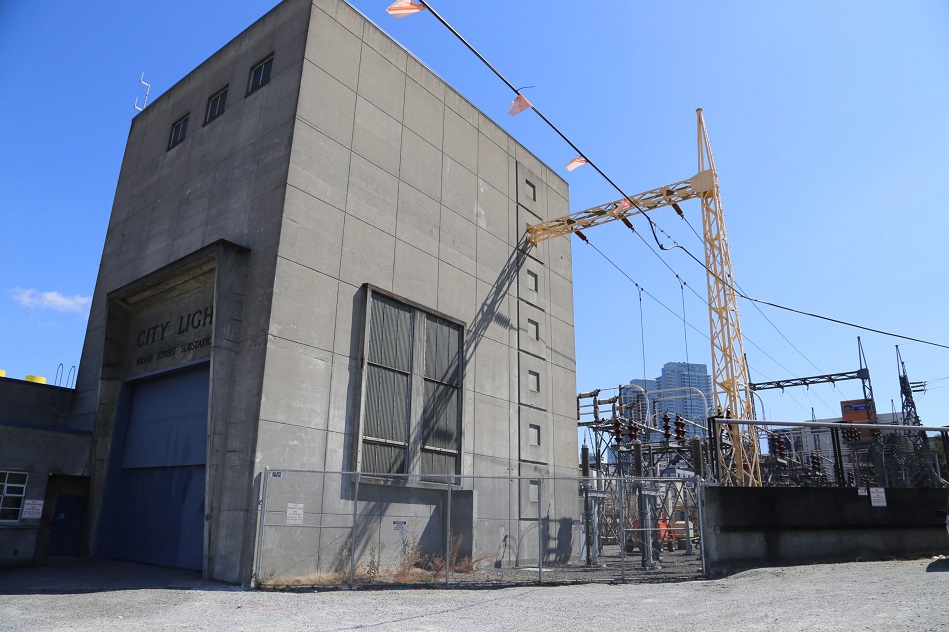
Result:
pixel 367 537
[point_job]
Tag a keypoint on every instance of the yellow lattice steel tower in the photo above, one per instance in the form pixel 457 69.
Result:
pixel 738 447
pixel 738 456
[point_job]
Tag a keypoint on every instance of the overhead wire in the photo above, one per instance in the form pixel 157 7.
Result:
pixel 770 322
pixel 642 290
pixel 705 302
pixel 763 315
pixel 652 224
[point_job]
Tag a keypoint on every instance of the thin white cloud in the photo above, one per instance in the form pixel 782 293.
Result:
pixel 35 299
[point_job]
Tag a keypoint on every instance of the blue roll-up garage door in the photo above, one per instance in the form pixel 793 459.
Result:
pixel 160 519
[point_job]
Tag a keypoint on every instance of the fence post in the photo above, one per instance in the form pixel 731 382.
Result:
pixel 703 531
pixel 540 539
pixel 352 535
pixel 260 525
pixel 688 519
pixel 621 480
pixel 448 535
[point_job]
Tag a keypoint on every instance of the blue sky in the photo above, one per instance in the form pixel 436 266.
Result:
pixel 828 121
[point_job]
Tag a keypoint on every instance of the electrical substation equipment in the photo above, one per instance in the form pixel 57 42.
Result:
pixel 666 427
pixel 738 456
pixel 679 428
pixel 632 431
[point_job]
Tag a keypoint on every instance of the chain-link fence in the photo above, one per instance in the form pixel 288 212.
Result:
pixel 336 529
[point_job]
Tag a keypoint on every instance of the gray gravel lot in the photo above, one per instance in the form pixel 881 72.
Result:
pixel 892 595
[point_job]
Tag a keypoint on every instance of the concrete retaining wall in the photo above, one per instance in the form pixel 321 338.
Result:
pixel 783 526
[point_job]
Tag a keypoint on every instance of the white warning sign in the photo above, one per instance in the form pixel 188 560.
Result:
pixel 294 513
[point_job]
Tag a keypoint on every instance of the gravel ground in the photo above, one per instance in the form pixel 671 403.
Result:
pixel 892 595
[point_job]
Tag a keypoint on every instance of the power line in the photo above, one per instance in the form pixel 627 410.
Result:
pixel 642 291
pixel 652 225
pixel 763 315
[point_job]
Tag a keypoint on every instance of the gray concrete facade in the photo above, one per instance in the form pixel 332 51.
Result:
pixel 248 246
pixel 38 439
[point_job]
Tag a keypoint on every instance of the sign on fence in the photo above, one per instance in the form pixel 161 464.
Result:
pixel 294 513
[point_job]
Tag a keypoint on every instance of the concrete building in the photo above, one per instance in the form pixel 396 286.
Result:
pixel 316 260
pixel 692 386
pixel 682 388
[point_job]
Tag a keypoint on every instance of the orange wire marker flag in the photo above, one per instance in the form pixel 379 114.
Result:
pixel 622 206
pixel 576 162
pixel 519 104
pixel 402 8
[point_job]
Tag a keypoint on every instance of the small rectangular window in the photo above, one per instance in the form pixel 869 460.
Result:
pixel 260 75
pixel 216 105
pixel 178 131
pixel 533 329
pixel 12 492
pixel 531 190
pixel 532 280
pixel 534 493
pixel 533 434
pixel 533 381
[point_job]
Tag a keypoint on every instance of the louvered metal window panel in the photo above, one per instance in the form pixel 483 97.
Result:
pixel 390 339
pixel 383 459
pixel 440 416
pixel 441 350
pixel 436 464
pixel 387 404
pixel 411 421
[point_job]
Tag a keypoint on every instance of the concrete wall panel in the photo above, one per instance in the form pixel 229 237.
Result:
pixel 373 194
pixel 344 394
pixel 368 253
pixel 327 104
pixel 459 189
pixel 296 388
pixel 380 82
pixel 458 245
pixel 320 166
pixel 488 380
pixel 460 140
pixel 419 219
pixel 495 318
pixel 424 113
pixel 457 293
pixel 415 274
pixel 290 446
pixel 564 445
pixel 564 390
pixel 492 164
pixel 561 298
pixel 304 305
pixel 562 344
pixel 493 211
pixel 350 319
pixel 421 164
pixel 313 232
pixel 335 48
pixel 377 136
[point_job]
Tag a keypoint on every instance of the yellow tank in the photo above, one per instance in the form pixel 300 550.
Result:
pixel 38 379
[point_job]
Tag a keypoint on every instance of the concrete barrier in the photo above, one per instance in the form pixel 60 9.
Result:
pixel 747 527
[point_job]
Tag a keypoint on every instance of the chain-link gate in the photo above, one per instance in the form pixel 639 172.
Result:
pixel 338 528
